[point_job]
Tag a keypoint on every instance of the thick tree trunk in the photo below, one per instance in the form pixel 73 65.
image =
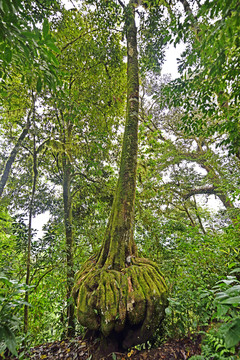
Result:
pixel 67 201
pixel 12 156
pixel 117 293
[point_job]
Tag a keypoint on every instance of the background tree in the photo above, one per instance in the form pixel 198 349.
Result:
pixel 199 163
pixel 209 67
pixel 16 113
pixel 88 67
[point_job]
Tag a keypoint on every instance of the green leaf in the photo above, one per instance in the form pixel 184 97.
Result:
pixel 19 302
pixel 51 56
pixel 30 35
pixel 8 54
pixel 2 347
pixel 232 336
pixel 222 310
pixel 235 288
pixel 232 300
pixel 237 270
pixel 9 337
pixel 53 47
pixel 228 282
pixel 25 49
pixel 5 280
pixel 39 85
pixel 45 28
pixel 17 4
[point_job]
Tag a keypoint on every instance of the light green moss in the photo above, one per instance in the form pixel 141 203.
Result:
pixel 108 298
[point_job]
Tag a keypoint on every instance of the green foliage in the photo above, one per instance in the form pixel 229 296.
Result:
pixel 219 320
pixel 7 339
pixel 214 346
pixel 11 295
pixel 26 48
pixel 227 303
pixel 154 36
pixel 209 67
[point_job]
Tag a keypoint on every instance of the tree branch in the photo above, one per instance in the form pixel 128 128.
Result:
pixel 41 277
pixel 198 191
pixel 198 216
pixel 122 4
pixel 210 190
pixel 77 38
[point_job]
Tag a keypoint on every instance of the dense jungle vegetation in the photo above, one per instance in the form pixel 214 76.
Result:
pixel 135 174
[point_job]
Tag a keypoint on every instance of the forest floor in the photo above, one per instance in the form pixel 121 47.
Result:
pixel 80 349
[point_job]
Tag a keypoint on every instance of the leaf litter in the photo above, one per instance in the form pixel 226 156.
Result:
pixel 82 349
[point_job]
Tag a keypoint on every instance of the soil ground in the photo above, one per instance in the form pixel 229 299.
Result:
pixel 81 349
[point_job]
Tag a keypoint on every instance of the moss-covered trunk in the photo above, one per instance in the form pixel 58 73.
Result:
pixel 67 202
pixel 118 243
pixel 117 293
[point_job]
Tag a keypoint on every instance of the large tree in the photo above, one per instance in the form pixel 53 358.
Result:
pixel 118 293
pixel 194 164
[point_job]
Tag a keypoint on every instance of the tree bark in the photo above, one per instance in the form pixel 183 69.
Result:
pixel 12 156
pixel 67 201
pixel 119 243
pixel 31 204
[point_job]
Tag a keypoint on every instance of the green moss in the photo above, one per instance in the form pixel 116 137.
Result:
pixel 136 297
pixel 122 305
pixel 109 312
pixel 107 300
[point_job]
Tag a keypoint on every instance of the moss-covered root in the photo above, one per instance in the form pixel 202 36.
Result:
pixel 131 301
pixel 155 294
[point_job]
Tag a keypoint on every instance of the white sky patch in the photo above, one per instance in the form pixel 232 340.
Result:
pixel 210 202
pixel 39 221
pixel 69 4
pixel 170 65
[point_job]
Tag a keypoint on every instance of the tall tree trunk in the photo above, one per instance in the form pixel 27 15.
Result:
pixel 67 201
pixel 119 243
pixel 31 204
pixel 117 293
pixel 12 156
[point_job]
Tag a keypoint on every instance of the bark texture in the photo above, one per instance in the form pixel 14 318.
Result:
pixel 12 156
pixel 67 202
pixel 117 293
pixel 31 205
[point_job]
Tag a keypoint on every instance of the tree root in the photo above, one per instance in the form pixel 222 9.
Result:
pixel 131 301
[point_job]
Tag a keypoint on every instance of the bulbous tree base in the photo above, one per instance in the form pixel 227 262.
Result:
pixel 130 302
